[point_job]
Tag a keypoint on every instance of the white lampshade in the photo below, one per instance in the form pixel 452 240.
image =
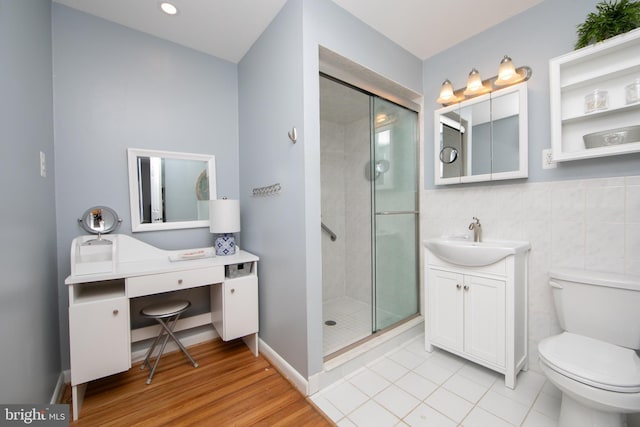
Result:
pixel 474 84
pixel 224 216
pixel 446 93
pixel 507 73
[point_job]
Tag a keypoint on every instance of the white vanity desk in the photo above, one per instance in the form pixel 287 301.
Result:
pixel 105 277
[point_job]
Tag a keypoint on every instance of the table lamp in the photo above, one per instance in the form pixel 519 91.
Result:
pixel 224 219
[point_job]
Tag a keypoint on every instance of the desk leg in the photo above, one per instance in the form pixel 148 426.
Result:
pixel 77 397
pixel 252 342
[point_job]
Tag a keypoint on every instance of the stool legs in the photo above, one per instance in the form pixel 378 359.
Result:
pixel 166 332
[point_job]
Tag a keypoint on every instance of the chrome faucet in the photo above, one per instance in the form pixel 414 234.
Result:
pixel 477 229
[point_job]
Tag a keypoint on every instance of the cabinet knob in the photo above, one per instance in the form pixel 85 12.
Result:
pixel 179 281
pixel 115 312
pixel 233 290
pixel 458 286
pixel 466 287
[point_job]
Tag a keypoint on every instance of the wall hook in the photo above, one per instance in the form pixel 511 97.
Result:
pixel 293 135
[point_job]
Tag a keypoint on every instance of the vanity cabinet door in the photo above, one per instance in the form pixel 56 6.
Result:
pixel 99 339
pixel 445 305
pixel 234 307
pixel 484 319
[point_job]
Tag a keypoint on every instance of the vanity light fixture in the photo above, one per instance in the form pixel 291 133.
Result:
pixel 508 75
pixel 168 8
pixel 446 93
pixel 475 84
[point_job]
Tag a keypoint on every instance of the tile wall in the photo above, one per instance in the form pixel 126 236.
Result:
pixel 589 224
pixel 346 209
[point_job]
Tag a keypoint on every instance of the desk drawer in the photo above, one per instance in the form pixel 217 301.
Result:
pixel 174 281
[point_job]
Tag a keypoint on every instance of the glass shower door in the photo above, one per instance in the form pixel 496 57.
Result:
pixel 394 167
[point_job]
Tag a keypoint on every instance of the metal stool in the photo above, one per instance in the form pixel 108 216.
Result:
pixel 167 315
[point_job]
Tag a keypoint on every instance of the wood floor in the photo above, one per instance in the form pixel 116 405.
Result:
pixel 230 387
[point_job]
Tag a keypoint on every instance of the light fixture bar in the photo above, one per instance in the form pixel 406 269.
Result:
pixel 458 94
pixel 448 96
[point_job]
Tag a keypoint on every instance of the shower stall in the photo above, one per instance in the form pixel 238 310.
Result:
pixel 369 184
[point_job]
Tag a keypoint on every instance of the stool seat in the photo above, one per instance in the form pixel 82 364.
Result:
pixel 165 309
pixel 166 313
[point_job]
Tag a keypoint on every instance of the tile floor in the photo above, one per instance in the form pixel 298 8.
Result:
pixel 410 387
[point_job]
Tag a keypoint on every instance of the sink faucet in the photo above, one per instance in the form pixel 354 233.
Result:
pixel 477 229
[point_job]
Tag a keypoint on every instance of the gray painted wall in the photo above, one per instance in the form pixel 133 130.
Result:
pixel 530 38
pixel 117 88
pixel 28 293
pixel 279 89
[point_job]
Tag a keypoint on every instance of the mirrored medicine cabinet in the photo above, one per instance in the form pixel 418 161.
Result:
pixel 170 190
pixel 483 138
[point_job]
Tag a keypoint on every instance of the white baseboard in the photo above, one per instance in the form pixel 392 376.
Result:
pixel 285 368
pixel 59 390
pixel 141 334
pixel 187 338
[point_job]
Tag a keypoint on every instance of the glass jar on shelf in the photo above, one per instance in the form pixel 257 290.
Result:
pixel 632 92
pixel 597 100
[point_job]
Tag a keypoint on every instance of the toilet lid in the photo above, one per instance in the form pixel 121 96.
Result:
pixel 592 362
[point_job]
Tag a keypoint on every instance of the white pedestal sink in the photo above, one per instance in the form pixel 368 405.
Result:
pixel 474 254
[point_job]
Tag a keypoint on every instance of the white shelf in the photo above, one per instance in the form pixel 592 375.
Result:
pixel 602 113
pixel 97 291
pixel 607 66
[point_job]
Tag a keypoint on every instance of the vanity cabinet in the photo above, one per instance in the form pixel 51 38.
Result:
pixel 468 314
pixel 99 335
pixel 595 99
pixel 479 313
pixel 234 305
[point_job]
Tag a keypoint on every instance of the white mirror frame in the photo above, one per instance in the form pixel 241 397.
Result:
pixel 523 139
pixel 132 156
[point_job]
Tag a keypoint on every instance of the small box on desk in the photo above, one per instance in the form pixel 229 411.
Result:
pixel 237 270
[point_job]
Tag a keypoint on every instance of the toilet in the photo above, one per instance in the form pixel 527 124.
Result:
pixel 594 361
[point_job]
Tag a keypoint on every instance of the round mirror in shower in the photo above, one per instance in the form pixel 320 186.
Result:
pixel 448 155
pixel 99 220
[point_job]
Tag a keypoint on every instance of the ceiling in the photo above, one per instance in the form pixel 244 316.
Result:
pixel 225 28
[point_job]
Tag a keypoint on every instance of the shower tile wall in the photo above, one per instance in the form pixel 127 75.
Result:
pixel 346 262
pixel 587 224
pixel 333 209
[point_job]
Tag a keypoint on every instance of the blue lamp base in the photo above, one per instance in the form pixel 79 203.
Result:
pixel 225 244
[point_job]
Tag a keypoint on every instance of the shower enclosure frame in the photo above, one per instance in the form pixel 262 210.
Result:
pixel 375 329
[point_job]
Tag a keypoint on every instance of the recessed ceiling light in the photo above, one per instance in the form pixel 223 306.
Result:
pixel 168 8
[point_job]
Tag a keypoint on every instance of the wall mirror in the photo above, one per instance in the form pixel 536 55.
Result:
pixel 483 139
pixel 170 190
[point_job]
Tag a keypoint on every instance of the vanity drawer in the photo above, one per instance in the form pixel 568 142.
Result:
pixel 167 282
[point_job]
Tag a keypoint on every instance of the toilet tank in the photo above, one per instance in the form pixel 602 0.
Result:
pixel 604 306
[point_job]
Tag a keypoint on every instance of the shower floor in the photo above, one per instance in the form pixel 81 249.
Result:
pixel 352 323
pixel 349 321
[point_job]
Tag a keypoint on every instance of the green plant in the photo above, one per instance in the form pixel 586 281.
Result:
pixel 613 18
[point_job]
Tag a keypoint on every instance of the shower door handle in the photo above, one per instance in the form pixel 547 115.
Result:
pixel 397 212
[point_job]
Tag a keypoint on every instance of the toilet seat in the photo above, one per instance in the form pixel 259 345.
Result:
pixel 592 362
